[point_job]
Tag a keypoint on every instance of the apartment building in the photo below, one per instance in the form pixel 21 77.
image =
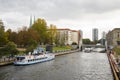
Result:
pixel 69 35
pixel 113 37
pixel 95 34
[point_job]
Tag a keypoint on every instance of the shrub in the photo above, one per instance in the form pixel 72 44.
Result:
pixel 117 50
pixel 74 43
pixel 9 49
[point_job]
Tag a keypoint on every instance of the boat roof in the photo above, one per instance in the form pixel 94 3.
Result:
pixel 20 56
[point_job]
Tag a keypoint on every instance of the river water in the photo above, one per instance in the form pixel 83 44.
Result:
pixel 75 66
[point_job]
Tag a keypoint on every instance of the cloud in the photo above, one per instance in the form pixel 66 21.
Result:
pixel 14 20
pixel 75 14
pixel 56 9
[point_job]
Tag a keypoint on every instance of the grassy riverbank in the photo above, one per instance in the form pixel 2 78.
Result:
pixel 23 50
pixel 54 48
pixel 62 48
pixel 117 53
pixel 117 50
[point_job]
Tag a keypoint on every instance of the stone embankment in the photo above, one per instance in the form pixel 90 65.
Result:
pixel 114 65
pixel 65 52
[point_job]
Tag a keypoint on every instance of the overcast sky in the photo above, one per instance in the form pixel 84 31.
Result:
pixel 73 14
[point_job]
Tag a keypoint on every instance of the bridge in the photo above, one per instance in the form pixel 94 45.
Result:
pixel 92 46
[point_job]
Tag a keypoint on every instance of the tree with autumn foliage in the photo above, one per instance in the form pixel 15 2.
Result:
pixel 22 37
pixel 40 26
pixel 25 35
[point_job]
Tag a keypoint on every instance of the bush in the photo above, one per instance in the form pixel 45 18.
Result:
pixel 117 50
pixel 9 49
pixel 74 43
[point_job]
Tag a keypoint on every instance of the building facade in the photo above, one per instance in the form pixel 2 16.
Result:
pixel 113 37
pixel 95 34
pixel 80 39
pixel 103 39
pixel 103 35
pixel 69 36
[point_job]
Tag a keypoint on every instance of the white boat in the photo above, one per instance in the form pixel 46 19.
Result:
pixel 87 50
pixel 36 57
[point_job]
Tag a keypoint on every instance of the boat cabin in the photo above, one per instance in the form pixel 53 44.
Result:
pixel 20 58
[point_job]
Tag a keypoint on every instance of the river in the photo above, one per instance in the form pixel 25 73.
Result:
pixel 75 66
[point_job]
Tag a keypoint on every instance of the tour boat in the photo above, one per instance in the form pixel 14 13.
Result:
pixel 37 56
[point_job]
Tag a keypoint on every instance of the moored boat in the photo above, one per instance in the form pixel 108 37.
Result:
pixel 37 56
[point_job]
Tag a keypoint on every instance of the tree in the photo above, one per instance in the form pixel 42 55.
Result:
pixel 12 36
pixel 33 35
pixel 9 49
pixel 26 35
pixel 32 45
pixel 40 26
pixel 57 39
pixel 22 37
pixel 52 33
pixel 86 41
pixel 62 40
pixel 3 36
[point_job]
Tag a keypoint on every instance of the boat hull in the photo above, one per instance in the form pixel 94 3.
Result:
pixel 17 63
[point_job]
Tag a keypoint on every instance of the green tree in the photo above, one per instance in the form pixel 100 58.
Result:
pixel 57 39
pixel 33 35
pixel 52 33
pixel 86 41
pixel 40 26
pixel 9 49
pixel 3 36
pixel 32 45
pixel 62 39
pixel 12 36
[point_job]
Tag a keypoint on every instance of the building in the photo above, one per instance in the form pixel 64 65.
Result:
pixel 32 20
pixel 113 37
pixel 80 39
pixel 95 34
pixel 103 39
pixel 69 36
pixel 103 35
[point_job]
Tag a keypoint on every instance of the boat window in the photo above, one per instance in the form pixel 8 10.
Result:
pixel 20 58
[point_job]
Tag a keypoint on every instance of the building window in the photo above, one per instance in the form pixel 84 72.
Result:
pixel 118 35
pixel 118 42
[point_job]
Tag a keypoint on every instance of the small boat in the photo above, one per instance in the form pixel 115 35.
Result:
pixel 37 56
pixel 87 50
